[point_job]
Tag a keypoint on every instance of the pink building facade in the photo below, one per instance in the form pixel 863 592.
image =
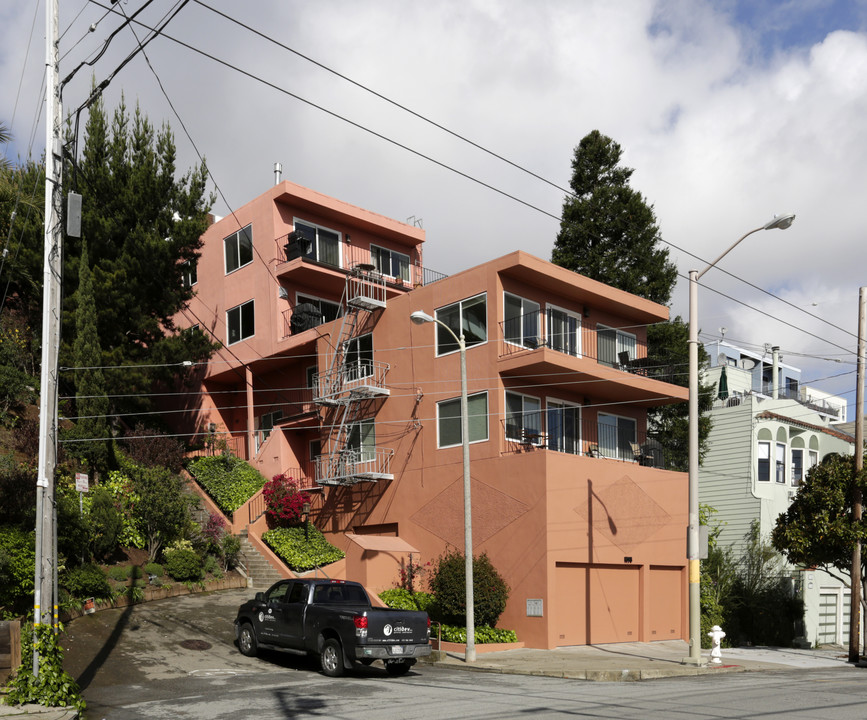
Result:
pixel 323 376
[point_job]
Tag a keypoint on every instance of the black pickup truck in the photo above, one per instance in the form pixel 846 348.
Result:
pixel 334 620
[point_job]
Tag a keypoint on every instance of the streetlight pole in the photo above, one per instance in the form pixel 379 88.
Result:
pixel 780 222
pixel 419 318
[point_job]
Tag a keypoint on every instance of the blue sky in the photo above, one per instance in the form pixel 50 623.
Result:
pixel 729 112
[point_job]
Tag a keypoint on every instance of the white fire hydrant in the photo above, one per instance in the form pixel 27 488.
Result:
pixel 716 635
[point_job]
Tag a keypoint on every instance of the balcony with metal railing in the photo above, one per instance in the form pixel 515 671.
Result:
pixel 351 381
pixel 553 347
pixel 563 430
pixel 353 465
pixel 329 264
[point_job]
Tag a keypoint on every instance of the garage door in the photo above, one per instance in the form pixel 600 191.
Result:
pixel 596 604
pixel 666 599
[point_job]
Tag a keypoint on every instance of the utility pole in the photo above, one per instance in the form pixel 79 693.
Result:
pixel 45 577
pixel 855 609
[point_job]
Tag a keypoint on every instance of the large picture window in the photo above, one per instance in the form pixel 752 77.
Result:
pixel 449 420
pixel 359 357
pixel 521 321
pixel 390 262
pixel 469 316
pixel 324 244
pixel 325 310
pixel 238 248
pixel 240 322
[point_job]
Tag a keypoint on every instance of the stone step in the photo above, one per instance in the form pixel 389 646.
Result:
pixel 261 572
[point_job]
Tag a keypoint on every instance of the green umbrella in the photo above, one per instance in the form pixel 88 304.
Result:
pixel 723 391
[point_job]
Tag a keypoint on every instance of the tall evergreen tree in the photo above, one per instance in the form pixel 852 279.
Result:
pixel 143 227
pixel 609 233
pixel 91 404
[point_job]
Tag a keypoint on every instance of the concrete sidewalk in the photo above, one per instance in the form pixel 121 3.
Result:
pixel 638 661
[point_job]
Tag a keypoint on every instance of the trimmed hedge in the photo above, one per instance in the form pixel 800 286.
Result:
pixel 483 635
pixel 228 480
pixel 299 554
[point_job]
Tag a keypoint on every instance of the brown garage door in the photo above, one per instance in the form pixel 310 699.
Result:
pixel 597 603
pixel 666 602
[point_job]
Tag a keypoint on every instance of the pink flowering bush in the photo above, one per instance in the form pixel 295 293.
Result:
pixel 284 501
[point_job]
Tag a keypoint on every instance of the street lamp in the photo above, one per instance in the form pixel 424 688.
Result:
pixel 420 318
pixel 780 222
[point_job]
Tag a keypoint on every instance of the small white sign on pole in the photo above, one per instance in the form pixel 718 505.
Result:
pixel 81 484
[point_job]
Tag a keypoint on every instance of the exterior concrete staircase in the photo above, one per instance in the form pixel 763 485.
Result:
pixel 256 566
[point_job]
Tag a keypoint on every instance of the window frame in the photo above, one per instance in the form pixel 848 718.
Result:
pixel 531 339
pixel 523 427
pixel 442 403
pixel 763 461
pixel 619 336
pixel 365 443
pixel 550 334
pixel 234 238
pixel 553 405
pixel 189 273
pixel 313 300
pixel 797 468
pixel 622 452
pixel 780 463
pixel 263 430
pixel 239 309
pixel 361 366
pixel 377 251
pixel 445 343
pixel 316 252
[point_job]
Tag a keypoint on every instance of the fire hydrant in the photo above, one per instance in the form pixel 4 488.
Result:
pixel 716 635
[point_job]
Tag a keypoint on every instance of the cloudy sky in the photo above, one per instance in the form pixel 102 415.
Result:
pixel 730 112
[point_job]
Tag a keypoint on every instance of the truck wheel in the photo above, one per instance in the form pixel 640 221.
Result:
pixel 247 643
pixel 331 658
pixel 396 669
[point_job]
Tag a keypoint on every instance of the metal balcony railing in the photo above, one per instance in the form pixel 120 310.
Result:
pixel 349 256
pixel 563 430
pixel 353 465
pixel 353 380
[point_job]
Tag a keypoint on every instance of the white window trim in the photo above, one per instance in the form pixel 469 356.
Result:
pixel 241 337
pixel 570 313
pixel 523 396
pixel 394 252
pixel 461 303
pixel 487 419
pixel 564 404
pixel 618 417
pixel 237 249
pixel 618 333
pixel 308 296
pixel 769 458
pixel 792 480
pixel 777 474
pixel 317 226
pixel 540 332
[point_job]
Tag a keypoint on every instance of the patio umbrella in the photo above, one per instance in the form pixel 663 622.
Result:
pixel 723 391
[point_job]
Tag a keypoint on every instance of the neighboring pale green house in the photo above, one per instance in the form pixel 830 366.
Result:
pixel 768 431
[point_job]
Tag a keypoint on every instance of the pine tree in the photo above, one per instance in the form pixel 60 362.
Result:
pixel 91 427
pixel 608 231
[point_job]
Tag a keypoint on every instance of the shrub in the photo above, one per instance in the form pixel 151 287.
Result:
pixel 17 568
pixel 302 554
pixel 284 501
pixel 119 573
pixel 228 480
pixel 230 549
pixel 86 581
pixel 448 583
pixel 106 523
pixel 153 568
pixel 211 565
pixel 213 531
pixel 183 564
pixel 483 634
pixel 401 599
pixel 17 490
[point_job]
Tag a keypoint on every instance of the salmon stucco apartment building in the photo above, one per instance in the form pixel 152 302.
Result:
pixel 323 376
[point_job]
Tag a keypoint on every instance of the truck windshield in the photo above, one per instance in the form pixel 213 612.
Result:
pixel 339 595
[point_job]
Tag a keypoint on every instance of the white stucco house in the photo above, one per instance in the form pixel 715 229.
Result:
pixel 768 431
